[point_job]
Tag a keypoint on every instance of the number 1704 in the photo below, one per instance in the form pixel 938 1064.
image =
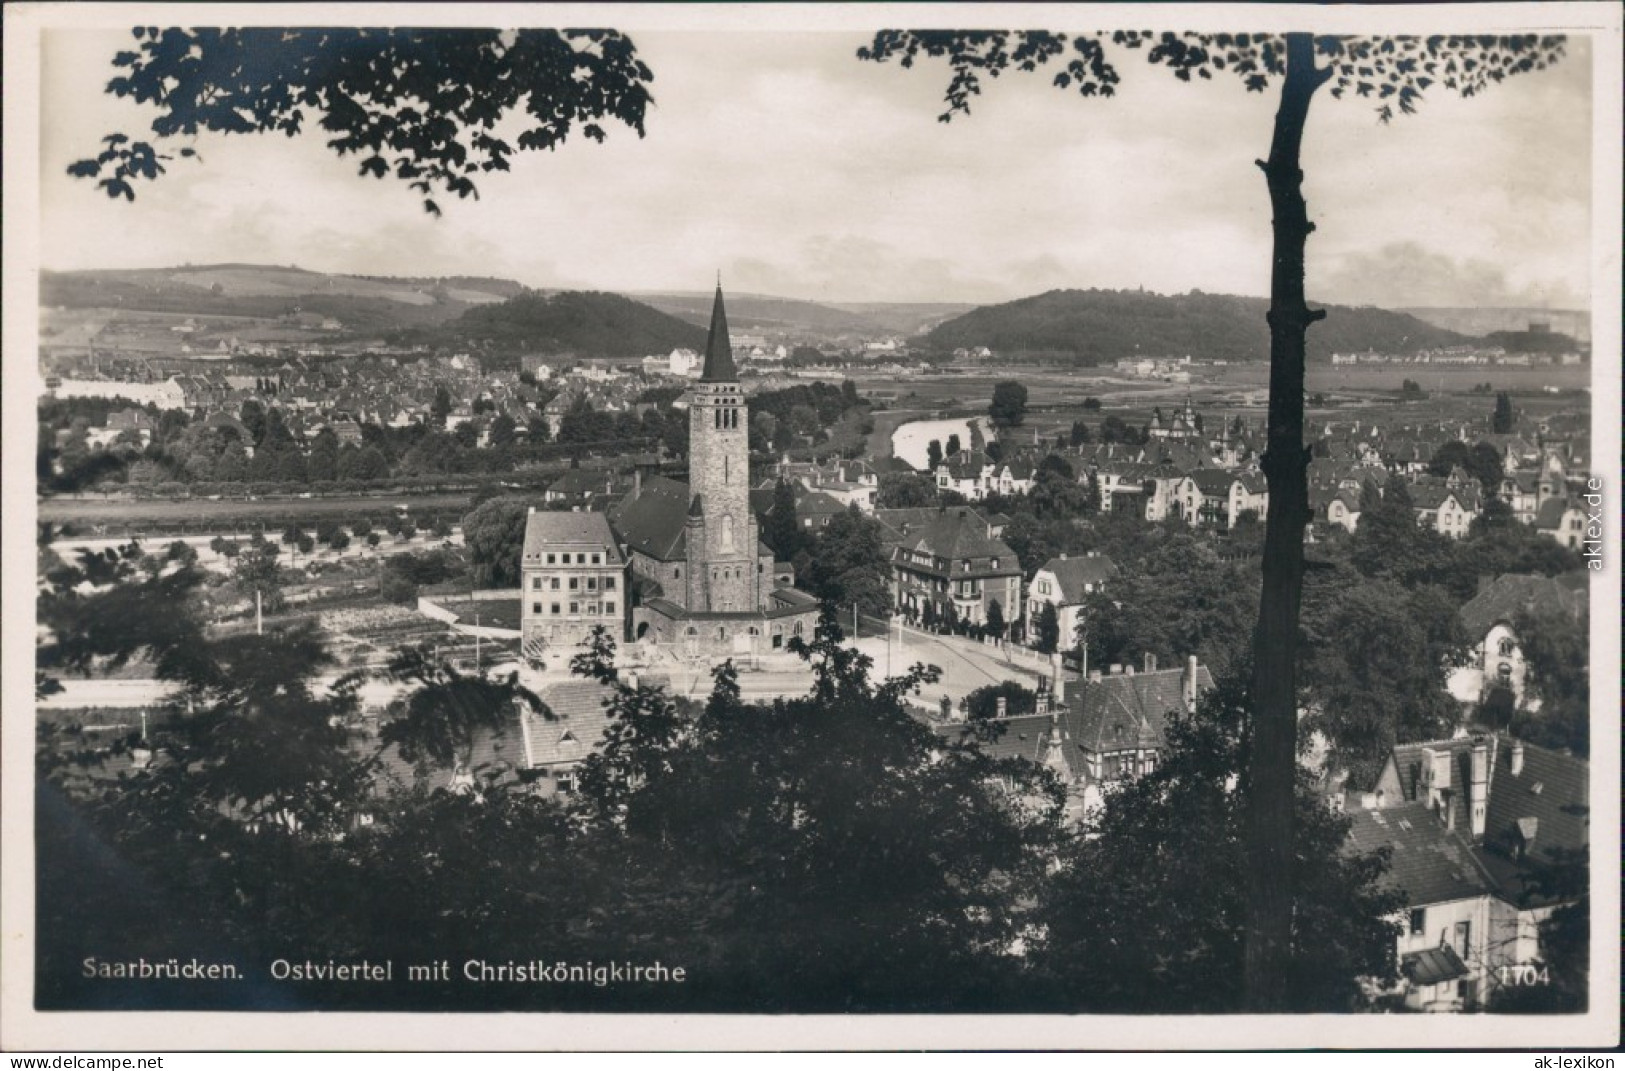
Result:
pixel 1525 974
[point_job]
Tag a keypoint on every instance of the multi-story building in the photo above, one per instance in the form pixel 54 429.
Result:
pixel 950 569
pixel 573 577
pixel 1064 583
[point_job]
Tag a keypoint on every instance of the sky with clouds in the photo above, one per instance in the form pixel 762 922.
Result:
pixel 780 159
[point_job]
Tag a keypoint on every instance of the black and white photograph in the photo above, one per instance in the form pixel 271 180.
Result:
pixel 811 526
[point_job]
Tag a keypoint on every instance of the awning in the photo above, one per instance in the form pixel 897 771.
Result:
pixel 1432 966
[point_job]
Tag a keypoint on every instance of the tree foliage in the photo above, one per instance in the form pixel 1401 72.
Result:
pixel 495 536
pixel 423 105
pixel 1165 858
pixel 1009 405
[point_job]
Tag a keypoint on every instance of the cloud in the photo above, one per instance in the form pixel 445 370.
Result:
pixel 1405 274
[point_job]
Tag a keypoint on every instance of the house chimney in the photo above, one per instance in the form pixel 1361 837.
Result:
pixel 1517 758
pixel 1479 791
pixel 1448 806
pixel 1094 674
pixel 1000 707
pixel 637 481
pixel 1150 662
pixel 1117 669
pixel 1128 671
pixel 1063 555
pixel 1435 774
pixel 1058 678
pixel 1187 684
pixel 530 509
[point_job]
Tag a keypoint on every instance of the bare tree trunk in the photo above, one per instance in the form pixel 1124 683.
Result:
pixel 1272 764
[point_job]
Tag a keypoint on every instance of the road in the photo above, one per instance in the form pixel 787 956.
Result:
pixel 965 664
pixel 80 694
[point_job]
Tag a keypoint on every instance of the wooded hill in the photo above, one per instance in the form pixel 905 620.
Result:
pixel 583 323
pixel 268 292
pixel 1100 326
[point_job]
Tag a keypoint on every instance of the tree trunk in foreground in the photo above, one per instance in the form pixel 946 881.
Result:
pixel 1272 765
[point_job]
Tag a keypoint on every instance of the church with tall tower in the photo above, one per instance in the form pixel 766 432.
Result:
pixel 702 581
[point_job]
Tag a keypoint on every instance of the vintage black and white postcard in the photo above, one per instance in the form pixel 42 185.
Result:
pixel 824 526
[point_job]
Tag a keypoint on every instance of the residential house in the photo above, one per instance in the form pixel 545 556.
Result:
pixel 1065 583
pixel 1488 618
pixel 1521 492
pixel 1343 510
pixel 556 746
pixel 1562 520
pixel 1463 820
pixel 1450 511
pixel 1113 723
pixel 950 569
pixel 581 489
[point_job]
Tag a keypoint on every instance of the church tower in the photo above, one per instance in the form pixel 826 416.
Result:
pixel 724 569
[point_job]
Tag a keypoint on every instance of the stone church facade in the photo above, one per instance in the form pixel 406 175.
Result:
pixel 702 579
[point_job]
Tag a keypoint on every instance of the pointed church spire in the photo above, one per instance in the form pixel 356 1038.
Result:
pixel 719 356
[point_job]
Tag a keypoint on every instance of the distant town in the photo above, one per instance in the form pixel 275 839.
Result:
pixel 1073 545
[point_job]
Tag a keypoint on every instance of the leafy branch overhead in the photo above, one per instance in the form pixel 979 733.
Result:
pixel 422 105
pixel 1389 71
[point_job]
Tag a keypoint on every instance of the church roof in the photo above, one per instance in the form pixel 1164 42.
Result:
pixel 652 522
pixel 719 358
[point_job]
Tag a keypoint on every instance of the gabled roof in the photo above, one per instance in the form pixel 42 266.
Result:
pixel 958 533
pixel 1074 573
pixel 577 726
pixel 548 528
pixel 580 482
pixel 652 521
pixel 1550 515
pixel 1501 600
pixel 719 358
pixel 1429 863
pixel 1213 483
pixel 817 503
pixel 1126 711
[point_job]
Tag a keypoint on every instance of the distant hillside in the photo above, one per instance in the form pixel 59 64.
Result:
pixel 583 323
pixel 758 313
pixel 361 303
pixel 1100 326
pixel 907 318
pixel 1474 321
